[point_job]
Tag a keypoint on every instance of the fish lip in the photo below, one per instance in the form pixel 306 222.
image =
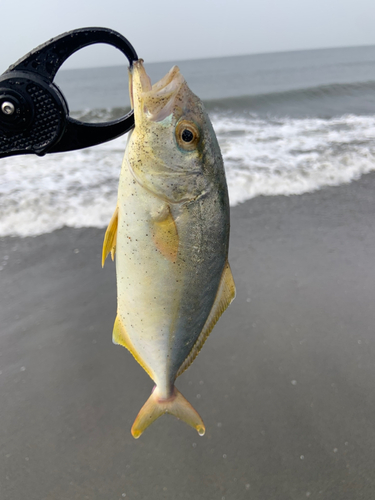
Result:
pixel 139 81
pixel 137 67
pixel 155 102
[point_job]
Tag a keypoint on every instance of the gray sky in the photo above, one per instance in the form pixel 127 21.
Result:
pixel 167 30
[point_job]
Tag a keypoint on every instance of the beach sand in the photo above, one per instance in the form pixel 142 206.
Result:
pixel 285 384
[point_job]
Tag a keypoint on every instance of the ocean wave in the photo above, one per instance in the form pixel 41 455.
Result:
pixel 324 101
pixel 336 91
pixel 294 156
pixel 262 156
pixel 100 114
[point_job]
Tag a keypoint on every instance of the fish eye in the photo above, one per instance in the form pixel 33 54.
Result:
pixel 187 135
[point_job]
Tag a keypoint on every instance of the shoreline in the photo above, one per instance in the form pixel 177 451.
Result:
pixel 285 383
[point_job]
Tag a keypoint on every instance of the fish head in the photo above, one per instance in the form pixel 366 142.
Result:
pixel 172 151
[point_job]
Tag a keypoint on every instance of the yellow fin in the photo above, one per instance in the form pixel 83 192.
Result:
pixel 110 237
pixel 165 236
pixel 120 337
pixel 176 405
pixel 225 295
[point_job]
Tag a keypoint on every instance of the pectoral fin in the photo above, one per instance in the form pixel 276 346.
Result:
pixel 110 237
pixel 165 236
pixel 225 295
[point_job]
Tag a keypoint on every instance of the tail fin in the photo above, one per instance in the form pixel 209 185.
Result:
pixel 177 405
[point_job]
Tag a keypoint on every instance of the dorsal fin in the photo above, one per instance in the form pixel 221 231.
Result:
pixel 110 237
pixel 225 295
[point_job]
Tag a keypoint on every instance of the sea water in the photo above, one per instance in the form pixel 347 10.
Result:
pixel 287 123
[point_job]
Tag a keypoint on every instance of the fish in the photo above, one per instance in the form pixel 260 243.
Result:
pixel 169 235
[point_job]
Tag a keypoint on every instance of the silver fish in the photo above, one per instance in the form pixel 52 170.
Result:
pixel 170 232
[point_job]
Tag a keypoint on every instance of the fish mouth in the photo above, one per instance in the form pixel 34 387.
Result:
pixel 153 102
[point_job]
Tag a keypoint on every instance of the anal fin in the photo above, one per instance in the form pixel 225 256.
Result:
pixel 121 337
pixel 110 237
pixel 225 295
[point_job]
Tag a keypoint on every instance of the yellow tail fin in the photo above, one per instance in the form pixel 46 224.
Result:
pixel 176 405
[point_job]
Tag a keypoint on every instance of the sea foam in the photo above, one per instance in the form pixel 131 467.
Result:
pixel 262 156
pixel 287 156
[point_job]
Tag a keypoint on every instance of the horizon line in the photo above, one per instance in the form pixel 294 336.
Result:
pixel 229 56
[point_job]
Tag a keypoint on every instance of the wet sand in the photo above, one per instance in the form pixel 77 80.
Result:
pixel 285 383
